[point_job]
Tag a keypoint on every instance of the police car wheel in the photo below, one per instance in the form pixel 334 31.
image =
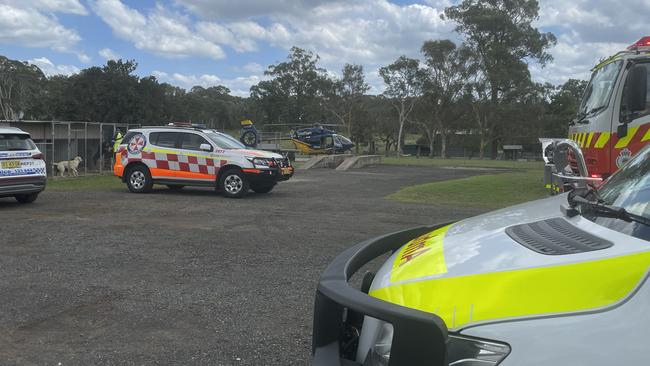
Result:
pixel 26 198
pixel 233 184
pixel 139 180
pixel 262 189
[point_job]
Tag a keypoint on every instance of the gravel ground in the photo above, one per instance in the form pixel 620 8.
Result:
pixel 189 277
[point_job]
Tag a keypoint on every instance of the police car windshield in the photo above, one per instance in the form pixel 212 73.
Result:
pixel 629 187
pixel 224 141
pixel 600 88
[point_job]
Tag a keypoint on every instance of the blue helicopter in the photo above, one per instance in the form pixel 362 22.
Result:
pixel 315 140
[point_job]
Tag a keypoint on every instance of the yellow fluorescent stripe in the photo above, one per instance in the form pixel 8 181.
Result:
pixel 646 137
pixel 583 139
pixel 421 257
pixel 626 140
pixel 527 292
pixel 602 140
pixel 163 151
pixel 591 136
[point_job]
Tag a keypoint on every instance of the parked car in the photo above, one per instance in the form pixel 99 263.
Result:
pixel 22 168
pixel 178 156
pixel 561 281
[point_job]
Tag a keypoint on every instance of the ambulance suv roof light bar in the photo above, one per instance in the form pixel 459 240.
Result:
pixel 641 45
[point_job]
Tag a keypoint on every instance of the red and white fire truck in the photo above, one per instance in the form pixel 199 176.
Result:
pixel 612 124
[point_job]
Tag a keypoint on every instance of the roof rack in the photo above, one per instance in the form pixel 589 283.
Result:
pixel 194 127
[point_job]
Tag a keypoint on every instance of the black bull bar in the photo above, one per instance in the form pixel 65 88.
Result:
pixel 419 338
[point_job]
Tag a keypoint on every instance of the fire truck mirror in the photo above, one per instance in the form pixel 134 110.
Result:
pixel 621 131
pixel 637 83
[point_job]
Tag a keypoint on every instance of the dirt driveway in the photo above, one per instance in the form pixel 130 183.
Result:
pixel 189 277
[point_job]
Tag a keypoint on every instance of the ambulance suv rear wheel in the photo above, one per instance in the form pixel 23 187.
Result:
pixel 233 184
pixel 138 179
pixel 26 198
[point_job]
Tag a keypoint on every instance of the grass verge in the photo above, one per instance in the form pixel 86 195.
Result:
pixel 87 183
pixel 468 163
pixel 490 191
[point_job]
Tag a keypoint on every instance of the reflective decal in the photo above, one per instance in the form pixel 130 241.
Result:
pixel 519 293
pixel 421 257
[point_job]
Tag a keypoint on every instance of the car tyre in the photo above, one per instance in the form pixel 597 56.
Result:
pixel 26 198
pixel 139 180
pixel 262 189
pixel 233 184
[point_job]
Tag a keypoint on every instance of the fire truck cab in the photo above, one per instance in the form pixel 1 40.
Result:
pixel 612 123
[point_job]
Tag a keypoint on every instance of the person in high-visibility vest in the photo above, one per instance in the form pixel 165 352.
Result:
pixel 118 141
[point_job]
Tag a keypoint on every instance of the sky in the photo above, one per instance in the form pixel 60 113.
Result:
pixel 231 43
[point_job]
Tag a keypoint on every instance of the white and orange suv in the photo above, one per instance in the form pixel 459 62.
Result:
pixel 178 156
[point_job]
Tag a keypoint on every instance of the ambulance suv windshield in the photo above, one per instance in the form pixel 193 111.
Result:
pixel 599 90
pixel 629 188
pixel 622 203
pixel 225 142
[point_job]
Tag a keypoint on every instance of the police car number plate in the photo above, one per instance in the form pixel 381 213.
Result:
pixel 286 171
pixel 10 164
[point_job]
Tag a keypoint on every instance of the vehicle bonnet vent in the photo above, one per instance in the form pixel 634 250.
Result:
pixel 556 237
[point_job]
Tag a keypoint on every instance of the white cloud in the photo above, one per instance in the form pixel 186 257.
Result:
pixel 587 31
pixel 55 6
pixel 226 9
pixel 161 32
pixel 369 32
pixel 108 54
pixel 50 68
pixel 253 67
pixel 239 86
pixel 83 57
pixel 29 27
pixel 187 81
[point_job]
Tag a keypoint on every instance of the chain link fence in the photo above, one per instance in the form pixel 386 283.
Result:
pixel 63 141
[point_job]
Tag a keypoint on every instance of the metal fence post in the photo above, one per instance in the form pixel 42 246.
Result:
pixel 101 148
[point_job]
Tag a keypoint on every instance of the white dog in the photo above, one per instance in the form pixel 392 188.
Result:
pixel 70 165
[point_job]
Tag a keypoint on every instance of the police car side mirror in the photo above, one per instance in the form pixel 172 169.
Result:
pixel 206 147
pixel 637 88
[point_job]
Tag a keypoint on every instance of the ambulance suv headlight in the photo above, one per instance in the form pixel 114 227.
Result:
pixel 379 353
pixel 261 162
pixel 467 351
pixel 461 350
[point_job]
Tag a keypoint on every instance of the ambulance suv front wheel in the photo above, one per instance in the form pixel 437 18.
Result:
pixel 138 179
pixel 233 183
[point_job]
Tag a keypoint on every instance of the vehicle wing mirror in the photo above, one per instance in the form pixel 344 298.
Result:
pixel 637 81
pixel 205 147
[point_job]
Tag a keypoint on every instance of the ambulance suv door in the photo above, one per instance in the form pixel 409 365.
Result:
pixel 631 125
pixel 166 146
pixel 196 162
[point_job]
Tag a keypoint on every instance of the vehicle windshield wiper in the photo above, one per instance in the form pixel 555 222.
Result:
pixel 580 118
pixel 601 208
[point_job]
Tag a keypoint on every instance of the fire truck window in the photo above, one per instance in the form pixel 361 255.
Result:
pixel 192 141
pixel 164 139
pixel 644 112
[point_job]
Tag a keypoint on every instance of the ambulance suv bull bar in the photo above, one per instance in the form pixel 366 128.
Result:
pixel 419 338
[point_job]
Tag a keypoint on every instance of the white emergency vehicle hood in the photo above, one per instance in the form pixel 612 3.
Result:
pixel 511 264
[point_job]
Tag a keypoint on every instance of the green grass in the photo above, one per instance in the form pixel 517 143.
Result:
pixel 87 183
pixel 469 163
pixel 490 191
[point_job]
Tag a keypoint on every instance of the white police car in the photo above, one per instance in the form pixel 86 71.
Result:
pixel 22 168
